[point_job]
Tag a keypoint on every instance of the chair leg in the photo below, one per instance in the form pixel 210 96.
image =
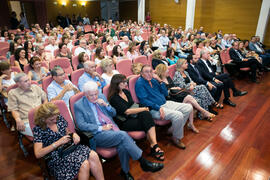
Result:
pixel 5 118
pixel 20 136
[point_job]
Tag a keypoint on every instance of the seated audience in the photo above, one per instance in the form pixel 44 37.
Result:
pixel 164 40
pixel 171 57
pixel 254 46
pixel 132 51
pixel 60 88
pixel 52 45
pixel 138 38
pixel 94 114
pixel 133 117
pixel 145 49
pixel 64 51
pixel 177 48
pixel 108 70
pixel 110 45
pixel 20 59
pixel 136 68
pixel 50 134
pixel 151 93
pixel 29 49
pixel 22 99
pixel 209 74
pixel 37 72
pixel 90 74
pixel 83 57
pixel 118 54
pixel 125 43
pixel 158 59
pixel 100 55
pixel 82 48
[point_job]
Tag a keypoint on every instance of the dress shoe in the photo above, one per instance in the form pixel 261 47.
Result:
pixel 127 176
pixel 211 110
pixel 266 69
pixel 151 166
pixel 178 143
pixel 239 93
pixel 229 102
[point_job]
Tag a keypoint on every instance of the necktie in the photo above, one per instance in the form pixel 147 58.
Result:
pixel 103 119
pixel 240 56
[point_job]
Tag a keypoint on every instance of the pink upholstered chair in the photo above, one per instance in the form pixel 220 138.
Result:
pixel 172 70
pixel 124 67
pixel 75 62
pixel 63 62
pixel 141 59
pixel 150 57
pixel 104 152
pixel 75 75
pixel 132 82
pixel 3 51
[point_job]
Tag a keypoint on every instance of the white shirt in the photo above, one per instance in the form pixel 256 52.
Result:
pixel 79 49
pixel 209 69
pixel 123 45
pixel 51 48
pixel 109 78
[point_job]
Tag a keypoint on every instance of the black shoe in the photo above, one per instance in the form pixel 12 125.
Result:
pixel 127 176
pixel 239 93
pixel 151 166
pixel 211 110
pixel 266 69
pixel 229 102
pixel 255 81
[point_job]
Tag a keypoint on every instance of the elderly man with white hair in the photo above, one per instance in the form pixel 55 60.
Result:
pixel 82 48
pixel 22 99
pixel 90 74
pixel 94 114
pixel 52 45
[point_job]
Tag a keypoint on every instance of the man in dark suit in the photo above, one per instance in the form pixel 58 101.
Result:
pixel 196 76
pixel 241 61
pixel 208 74
pixel 94 114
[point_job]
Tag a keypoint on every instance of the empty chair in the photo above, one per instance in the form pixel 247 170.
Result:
pixel 104 152
pixel 75 75
pixel 141 59
pixel 124 67
pixel 63 62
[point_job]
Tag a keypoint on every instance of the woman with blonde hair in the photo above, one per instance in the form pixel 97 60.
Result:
pixel 50 134
pixel 199 92
pixel 108 71
pixel 158 59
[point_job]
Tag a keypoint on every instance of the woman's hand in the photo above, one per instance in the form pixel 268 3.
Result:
pixel 191 87
pixel 76 138
pixel 176 88
pixel 63 140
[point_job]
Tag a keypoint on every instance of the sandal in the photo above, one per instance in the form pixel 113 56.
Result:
pixel 193 128
pixel 219 105
pixel 209 117
pixel 158 154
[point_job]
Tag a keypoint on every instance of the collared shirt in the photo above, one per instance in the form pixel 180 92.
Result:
pixel 94 109
pixel 87 77
pixel 54 89
pixel 23 101
pixel 51 48
pixel 164 40
pixel 209 69
pixel 258 47
pixel 79 49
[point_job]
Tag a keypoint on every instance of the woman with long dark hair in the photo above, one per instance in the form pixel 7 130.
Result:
pixel 133 118
pixel 20 59
pixel 29 49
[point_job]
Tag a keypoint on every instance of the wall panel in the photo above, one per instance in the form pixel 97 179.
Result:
pixel 128 10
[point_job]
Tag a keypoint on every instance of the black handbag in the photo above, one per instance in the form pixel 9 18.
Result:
pixel 67 148
pixel 178 95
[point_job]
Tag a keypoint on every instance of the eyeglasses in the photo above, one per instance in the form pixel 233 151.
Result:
pixel 125 81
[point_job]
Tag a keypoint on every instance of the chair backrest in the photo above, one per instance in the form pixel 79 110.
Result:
pixel 125 50
pixel 150 58
pixel 87 28
pixel 99 69
pixel 73 49
pixel 27 67
pixel 131 85
pixel 124 67
pixel 172 70
pixel 3 51
pixel 145 36
pixel 56 52
pixel 4 44
pixel 75 62
pixel 15 69
pixel 105 90
pixel 164 53
pixel 63 111
pixel 75 75
pixel 141 59
pixel 63 62
pixel 72 101
pixel 12 60
pixel 194 48
pixel 110 53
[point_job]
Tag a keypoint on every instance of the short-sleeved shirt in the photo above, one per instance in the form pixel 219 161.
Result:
pixel 23 101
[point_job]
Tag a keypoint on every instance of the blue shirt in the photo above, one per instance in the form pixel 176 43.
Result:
pixel 86 77
pixel 152 97
pixel 54 89
pixel 172 61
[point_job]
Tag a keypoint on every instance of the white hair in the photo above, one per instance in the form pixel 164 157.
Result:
pixel 86 64
pixel 90 86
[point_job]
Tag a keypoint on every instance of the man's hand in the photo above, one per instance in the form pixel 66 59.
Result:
pixel 101 102
pixel 217 81
pixel 107 127
pixel 68 87
pixel 210 86
pixel 20 125
pixel 162 114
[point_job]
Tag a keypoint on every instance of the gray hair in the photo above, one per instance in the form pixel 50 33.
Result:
pixel 87 63
pixel 55 68
pixel 90 86
pixel 202 52
pixel 18 77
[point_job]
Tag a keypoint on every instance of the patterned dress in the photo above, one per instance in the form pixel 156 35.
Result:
pixel 61 168
pixel 201 93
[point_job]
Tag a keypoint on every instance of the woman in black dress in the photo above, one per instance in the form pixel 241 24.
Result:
pixel 133 118
pixel 50 133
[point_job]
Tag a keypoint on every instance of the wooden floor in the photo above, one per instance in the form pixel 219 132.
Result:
pixel 235 146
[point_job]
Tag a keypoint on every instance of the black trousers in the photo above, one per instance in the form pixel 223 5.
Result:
pixel 227 84
pixel 253 64
pixel 143 122
pixel 217 91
